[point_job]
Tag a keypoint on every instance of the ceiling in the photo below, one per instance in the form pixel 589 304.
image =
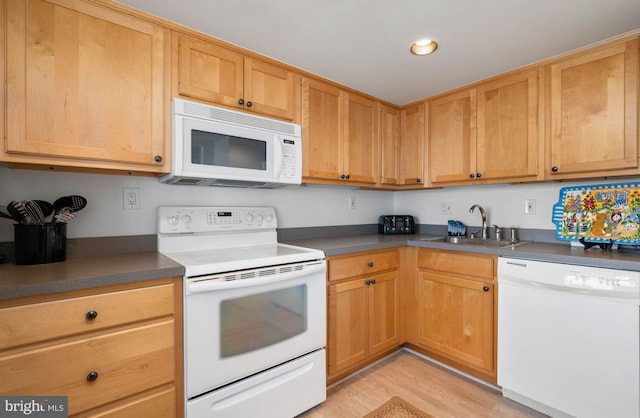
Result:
pixel 364 44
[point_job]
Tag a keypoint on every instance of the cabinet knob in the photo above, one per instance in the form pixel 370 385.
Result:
pixel 472 176
pixel 346 177
pixel 373 281
pixel 554 169
pixel 343 177
pixel 92 376
pixel 367 282
pixel 478 175
pixel 241 102
pixel 249 104
pixel 485 288
pixel 91 315
pixel 370 264
pixel 157 158
pixel 418 180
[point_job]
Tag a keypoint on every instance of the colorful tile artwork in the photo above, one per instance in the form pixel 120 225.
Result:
pixel 599 213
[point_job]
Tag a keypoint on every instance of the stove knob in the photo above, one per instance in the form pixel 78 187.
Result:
pixel 173 220
pixel 186 219
pixel 260 217
pixel 269 218
pixel 249 217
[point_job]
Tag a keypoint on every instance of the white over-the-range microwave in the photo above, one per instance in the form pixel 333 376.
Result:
pixel 213 146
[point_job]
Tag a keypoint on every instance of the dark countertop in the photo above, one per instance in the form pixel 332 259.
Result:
pixel 85 272
pixel 552 252
pixel 103 270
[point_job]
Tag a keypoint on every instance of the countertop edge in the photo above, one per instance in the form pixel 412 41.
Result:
pixel 550 252
pixel 85 273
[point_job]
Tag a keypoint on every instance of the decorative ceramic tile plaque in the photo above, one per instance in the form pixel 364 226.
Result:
pixel 599 213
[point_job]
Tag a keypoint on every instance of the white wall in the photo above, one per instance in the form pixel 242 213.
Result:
pixel 297 207
pixel 104 215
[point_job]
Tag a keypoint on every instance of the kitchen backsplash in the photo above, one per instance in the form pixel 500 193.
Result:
pixel 307 206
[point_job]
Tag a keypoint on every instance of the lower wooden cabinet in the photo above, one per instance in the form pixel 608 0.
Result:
pixel 363 312
pixel 113 352
pixel 455 307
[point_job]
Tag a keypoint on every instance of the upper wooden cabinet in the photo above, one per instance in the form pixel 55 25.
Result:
pixel 85 87
pixel 593 113
pixel 340 135
pixel 389 144
pixel 489 132
pixel 452 137
pixel 208 72
pixel 411 149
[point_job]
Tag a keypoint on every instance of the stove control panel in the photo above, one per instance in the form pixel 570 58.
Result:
pixel 197 219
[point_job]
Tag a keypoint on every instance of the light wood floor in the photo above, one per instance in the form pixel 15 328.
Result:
pixel 425 385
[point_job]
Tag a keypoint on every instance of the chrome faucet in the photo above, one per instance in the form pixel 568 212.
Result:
pixel 484 221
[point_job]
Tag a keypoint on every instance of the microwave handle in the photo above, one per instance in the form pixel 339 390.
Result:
pixel 278 152
pixel 203 285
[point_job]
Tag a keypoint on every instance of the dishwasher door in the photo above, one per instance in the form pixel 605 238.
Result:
pixel 564 347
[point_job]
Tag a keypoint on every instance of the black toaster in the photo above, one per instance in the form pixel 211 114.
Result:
pixel 396 224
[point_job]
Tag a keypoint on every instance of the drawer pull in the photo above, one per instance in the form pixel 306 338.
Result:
pixel 485 288
pixel 370 264
pixel 92 376
pixel 91 315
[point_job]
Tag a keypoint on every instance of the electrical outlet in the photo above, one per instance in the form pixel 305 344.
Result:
pixel 446 208
pixel 530 206
pixel 352 203
pixel 131 198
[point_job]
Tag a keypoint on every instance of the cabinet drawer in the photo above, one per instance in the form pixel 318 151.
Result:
pixel 30 323
pixel 467 264
pixel 156 404
pixel 366 263
pixel 126 362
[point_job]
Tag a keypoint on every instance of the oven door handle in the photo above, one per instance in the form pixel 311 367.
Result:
pixel 201 284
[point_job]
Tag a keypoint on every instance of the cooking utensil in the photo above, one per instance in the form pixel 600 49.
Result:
pixel 64 215
pixel 34 211
pixel 46 207
pixel 73 202
pixel 3 214
pixel 18 211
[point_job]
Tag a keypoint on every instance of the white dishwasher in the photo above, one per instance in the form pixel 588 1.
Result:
pixel 569 338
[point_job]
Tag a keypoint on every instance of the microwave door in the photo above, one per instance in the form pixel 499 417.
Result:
pixel 213 150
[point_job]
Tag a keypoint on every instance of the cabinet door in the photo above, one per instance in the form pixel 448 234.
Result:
pixel 270 90
pixel 322 130
pixel 452 137
pixel 389 143
pixel 126 361
pixel 208 72
pixel 347 339
pixel 508 137
pixel 84 82
pixel 594 112
pixel 455 318
pixel 384 315
pixel 411 157
pixel 361 144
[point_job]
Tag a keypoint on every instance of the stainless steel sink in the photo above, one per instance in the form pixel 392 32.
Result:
pixel 481 242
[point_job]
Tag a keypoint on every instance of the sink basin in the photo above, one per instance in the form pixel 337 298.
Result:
pixel 481 242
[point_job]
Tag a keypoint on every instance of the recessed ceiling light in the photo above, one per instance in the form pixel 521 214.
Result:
pixel 423 47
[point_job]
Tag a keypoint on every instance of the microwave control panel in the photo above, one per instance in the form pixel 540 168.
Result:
pixel 291 161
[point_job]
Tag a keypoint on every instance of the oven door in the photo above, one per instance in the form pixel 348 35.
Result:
pixel 236 328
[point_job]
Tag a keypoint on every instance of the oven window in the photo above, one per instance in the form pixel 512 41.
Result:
pixel 209 148
pixel 249 323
